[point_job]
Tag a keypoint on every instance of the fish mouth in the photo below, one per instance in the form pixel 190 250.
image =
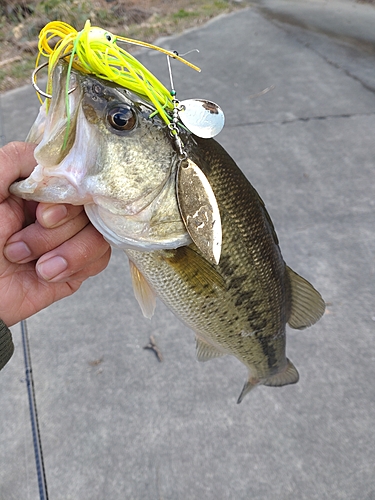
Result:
pixel 62 154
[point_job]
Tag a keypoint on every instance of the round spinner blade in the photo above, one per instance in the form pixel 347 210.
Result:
pixel 203 118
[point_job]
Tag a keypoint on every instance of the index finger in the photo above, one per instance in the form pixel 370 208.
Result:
pixel 16 161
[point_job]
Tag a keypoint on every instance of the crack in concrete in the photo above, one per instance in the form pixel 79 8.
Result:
pixel 298 119
pixel 283 21
pixel 334 64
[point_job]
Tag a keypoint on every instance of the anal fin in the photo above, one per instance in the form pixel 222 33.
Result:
pixel 143 292
pixel 205 351
pixel 307 303
pixel 289 375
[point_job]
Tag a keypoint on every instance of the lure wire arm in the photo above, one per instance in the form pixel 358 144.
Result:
pixel 173 127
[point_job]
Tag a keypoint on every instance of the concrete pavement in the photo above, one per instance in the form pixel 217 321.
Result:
pixel 116 423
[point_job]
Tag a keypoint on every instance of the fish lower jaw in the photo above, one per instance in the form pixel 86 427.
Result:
pixel 118 232
pixel 48 190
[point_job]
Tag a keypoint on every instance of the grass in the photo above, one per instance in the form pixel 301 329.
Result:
pixel 21 21
pixel 19 68
pixel 184 13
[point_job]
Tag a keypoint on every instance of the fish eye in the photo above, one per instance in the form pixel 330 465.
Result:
pixel 121 118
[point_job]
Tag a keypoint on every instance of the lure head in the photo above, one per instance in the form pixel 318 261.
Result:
pixel 98 35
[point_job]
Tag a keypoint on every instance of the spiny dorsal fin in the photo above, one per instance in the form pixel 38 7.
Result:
pixel 307 303
pixel 143 293
pixel 288 376
pixel 205 351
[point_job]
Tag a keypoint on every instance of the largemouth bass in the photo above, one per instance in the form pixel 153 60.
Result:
pixel 115 156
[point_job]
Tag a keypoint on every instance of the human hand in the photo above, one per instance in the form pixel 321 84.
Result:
pixel 46 251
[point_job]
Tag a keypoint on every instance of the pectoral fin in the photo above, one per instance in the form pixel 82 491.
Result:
pixel 205 351
pixel 196 270
pixel 143 292
pixel 307 303
pixel 6 345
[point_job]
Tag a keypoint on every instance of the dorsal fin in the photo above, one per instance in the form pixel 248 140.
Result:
pixel 143 292
pixel 307 303
pixel 205 351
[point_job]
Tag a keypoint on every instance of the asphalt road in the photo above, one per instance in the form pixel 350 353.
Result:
pixel 119 425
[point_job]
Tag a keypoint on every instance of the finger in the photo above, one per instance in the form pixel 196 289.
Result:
pixel 88 271
pixel 35 240
pixel 73 256
pixel 16 161
pixel 51 215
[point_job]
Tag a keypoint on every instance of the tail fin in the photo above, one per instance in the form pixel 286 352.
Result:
pixel 289 375
pixel 249 385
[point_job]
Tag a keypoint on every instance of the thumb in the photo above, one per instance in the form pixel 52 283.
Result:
pixel 16 161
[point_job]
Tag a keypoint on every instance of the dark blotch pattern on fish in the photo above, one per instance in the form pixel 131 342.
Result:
pixel 237 282
pixel 244 297
pixel 269 351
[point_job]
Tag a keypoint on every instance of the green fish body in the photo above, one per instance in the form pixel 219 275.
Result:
pixel 240 306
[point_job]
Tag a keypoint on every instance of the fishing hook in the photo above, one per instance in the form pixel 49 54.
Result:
pixel 33 81
pixel 34 84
